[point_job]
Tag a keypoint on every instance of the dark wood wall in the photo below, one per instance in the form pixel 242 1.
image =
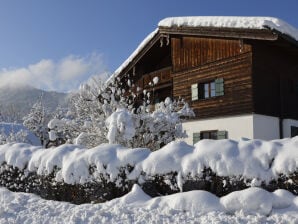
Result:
pixel 209 59
pixel 190 52
pixel 275 79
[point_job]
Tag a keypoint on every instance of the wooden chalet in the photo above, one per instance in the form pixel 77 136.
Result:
pixel 239 74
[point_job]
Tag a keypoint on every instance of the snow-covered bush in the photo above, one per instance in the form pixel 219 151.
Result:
pixel 105 112
pixel 121 127
pixel 146 128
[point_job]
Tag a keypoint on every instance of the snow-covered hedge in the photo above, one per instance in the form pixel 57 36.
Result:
pixel 219 166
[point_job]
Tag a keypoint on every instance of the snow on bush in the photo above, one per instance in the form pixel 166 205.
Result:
pixel 252 160
pixel 17 154
pixel 74 161
pixel 111 113
pixel 120 126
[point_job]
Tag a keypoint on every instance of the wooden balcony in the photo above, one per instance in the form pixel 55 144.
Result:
pixel 163 76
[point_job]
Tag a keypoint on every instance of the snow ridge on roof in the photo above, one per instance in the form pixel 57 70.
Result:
pixel 231 22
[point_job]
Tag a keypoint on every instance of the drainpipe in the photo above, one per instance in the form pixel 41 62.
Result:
pixel 281 131
pixel 281 109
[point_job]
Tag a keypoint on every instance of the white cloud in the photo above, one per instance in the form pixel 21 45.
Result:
pixel 64 75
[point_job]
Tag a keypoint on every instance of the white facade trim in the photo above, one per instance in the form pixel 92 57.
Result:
pixel 265 127
pixel 251 126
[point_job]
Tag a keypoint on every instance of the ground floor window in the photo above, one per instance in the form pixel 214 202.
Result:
pixel 210 134
pixel 294 131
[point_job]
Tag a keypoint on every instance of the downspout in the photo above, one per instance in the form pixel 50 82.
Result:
pixel 281 109
pixel 281 132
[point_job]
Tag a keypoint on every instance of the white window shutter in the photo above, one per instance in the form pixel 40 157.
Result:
pixel 194 92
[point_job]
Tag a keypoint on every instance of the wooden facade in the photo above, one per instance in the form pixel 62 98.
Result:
pixel 203 59
pixel 275 79
pixel 259 70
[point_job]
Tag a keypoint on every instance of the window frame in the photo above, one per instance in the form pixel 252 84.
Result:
pixel 220 134
pixel 207 89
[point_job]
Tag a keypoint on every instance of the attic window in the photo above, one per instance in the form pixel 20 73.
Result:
pixel 207 90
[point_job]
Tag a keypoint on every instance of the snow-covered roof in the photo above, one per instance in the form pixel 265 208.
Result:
pixel 236 22
pixel 232 22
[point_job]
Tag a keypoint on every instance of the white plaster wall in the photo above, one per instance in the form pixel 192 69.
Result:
pixel 237 127
pixel 287 123
pixel 254 126
pixel 265 127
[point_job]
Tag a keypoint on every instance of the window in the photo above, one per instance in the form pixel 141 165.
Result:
pixel 208 134
pixel 207 90
pixel 214 134
pixel 294 131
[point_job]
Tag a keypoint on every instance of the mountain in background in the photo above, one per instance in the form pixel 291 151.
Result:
pixel 16 102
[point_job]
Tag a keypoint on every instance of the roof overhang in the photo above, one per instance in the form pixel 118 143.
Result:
pixel 259 34
pixel 263 32
pixel 140 53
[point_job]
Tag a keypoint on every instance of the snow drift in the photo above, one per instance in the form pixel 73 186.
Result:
pixel 138 207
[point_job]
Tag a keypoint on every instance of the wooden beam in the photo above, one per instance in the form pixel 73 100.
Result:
pixel 259 34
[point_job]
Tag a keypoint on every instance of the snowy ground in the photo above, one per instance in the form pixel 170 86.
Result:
pixel 253 205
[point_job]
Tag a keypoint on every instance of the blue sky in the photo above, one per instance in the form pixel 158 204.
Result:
pixel 57 44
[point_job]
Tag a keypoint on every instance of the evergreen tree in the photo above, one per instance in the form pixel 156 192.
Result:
pixel 35 121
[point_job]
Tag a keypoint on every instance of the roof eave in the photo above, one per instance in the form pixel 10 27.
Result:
pixel 244 33
pixel 286 37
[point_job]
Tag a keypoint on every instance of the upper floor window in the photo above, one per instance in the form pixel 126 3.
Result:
pixel 207 90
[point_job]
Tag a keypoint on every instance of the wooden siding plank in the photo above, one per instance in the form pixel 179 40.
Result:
pixel 186 56
pixel 236 72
